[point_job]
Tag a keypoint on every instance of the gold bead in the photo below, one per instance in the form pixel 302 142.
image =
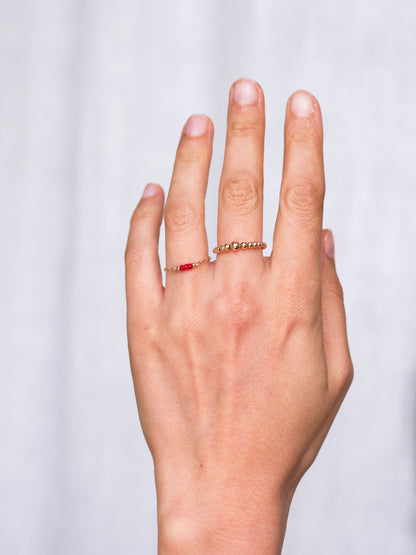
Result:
pixel 227 247
pixel 235 246
pixel 250 245
pixel 244 245
pixel 255 244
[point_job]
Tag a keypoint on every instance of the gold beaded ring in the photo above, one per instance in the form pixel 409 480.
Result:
pixel 187 266
pixel 235 246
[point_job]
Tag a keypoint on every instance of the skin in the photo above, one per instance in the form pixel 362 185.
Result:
pixel 240 364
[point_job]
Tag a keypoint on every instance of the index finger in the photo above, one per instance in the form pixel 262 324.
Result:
pixel 298 232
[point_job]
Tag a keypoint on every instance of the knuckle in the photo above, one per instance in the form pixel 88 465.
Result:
pixel 333 287
pixel 243 126
pixel 304 319
pixel 304 131
pixel 301 288
pixel 348 373
pixel 136 255
pixel 144 336
pixel 142 213
pixel 241 194
pixel 297 306
pixel 181 216
pixel 350 378
pixel 189 153
pixel 345 377
pixel 236 306
pixel 303 196
pixel 137 216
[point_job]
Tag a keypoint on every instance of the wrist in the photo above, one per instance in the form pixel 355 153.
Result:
pixel 224 534
pixel 210 517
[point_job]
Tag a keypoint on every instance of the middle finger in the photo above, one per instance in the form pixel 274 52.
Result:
pixel 240 197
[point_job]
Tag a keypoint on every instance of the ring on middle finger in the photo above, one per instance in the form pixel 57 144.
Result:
pixel 235 246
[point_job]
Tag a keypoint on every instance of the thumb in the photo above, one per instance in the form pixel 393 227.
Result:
pixel 337 354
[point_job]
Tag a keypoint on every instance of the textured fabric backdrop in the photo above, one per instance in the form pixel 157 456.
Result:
pixel 93 95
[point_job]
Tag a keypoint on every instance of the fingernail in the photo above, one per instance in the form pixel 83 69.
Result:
pixel 196 125
pixel 149 190
pixel 245 92
pixel 302 104
pixel 329 244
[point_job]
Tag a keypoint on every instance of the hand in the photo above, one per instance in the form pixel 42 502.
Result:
pixel 240 364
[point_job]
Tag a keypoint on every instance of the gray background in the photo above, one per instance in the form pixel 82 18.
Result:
pixel 93 95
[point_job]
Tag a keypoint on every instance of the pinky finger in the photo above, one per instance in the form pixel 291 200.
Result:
pixel 337 354
pixel 144 286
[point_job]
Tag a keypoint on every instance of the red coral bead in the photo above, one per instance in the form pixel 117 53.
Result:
pixel 186 266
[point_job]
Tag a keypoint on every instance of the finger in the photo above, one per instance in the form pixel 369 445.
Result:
pixel 297 234
pixel 144 287
pixel 185 234
pixel 337 354
pixel 240 197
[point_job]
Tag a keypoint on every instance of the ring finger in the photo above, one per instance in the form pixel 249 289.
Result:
pixel 185 233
